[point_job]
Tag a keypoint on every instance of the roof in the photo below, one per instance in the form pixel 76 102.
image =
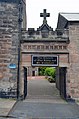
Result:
pixel 65 18
pixel 45 27
pixel 71 16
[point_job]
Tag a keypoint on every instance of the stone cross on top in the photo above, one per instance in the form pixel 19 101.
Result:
pixel 44 15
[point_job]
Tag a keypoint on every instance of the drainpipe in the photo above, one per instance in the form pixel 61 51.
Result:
pixel 19 48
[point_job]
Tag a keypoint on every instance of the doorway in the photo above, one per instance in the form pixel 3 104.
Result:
pixel 33 73
pixel 39 85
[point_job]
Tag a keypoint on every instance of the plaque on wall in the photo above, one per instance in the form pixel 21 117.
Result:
pixel 12 66
pixel 44 60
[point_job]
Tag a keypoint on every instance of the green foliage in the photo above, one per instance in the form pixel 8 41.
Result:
pixel 42 71
pixel 50 71
pixel 47 71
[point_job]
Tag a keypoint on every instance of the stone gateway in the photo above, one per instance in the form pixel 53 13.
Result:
pixel 62 43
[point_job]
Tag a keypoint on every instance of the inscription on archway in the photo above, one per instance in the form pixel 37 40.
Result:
pixel 41 60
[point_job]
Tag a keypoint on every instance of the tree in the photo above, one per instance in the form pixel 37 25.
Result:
pixel 50 73
pixel 42 71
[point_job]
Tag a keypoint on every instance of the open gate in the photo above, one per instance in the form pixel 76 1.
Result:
pixel 62 82
pixel 25 82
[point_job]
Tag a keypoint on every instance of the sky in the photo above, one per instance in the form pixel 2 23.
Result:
pixel 54 7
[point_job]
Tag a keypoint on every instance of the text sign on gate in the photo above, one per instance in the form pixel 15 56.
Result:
pixel 40 60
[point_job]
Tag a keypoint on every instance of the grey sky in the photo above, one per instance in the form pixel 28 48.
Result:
pixel 35 7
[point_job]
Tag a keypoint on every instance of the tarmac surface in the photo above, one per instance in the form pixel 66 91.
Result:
pixel 43 102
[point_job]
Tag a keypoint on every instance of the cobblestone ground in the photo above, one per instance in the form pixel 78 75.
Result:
pixel 43 102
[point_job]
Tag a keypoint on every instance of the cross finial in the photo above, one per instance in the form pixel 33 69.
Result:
pixel 44 15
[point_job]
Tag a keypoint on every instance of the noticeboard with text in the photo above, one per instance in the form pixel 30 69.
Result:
pixel 42 60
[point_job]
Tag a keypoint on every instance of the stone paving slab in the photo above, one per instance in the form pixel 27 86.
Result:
pixel 41 110
pixel 5 106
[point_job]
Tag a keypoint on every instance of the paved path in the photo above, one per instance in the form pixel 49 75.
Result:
pixel 42 88
pixel 43 102
pixel 5 106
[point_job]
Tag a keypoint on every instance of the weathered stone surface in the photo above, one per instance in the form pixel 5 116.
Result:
pixel 9 41
pixel 8 25
pixel 73 72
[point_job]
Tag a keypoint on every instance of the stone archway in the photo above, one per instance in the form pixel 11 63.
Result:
pixel 61 72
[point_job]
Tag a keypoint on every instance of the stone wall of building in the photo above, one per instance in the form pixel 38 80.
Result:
pixel 73 70
pixel 9 15
pixel 8 44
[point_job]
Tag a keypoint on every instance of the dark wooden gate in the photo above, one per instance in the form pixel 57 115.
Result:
pixel 25 82
pixel 62 82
